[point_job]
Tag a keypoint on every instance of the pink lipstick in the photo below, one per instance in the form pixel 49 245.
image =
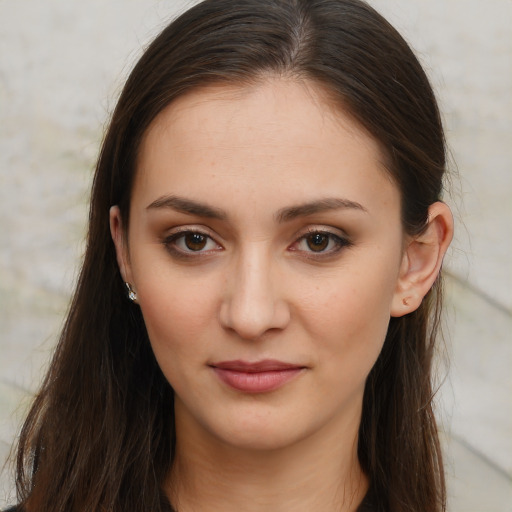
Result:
pixel 257 377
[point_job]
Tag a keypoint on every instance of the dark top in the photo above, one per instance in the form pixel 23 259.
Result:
pixel 365 506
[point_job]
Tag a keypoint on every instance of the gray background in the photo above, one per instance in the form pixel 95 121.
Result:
pixel 62 63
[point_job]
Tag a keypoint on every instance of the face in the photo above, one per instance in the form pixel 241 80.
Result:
pixel 264 246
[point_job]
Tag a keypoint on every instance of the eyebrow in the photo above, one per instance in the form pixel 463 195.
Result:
pixel 322 205
pixel 191 207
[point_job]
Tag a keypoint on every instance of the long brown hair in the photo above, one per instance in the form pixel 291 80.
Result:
pixel 100 433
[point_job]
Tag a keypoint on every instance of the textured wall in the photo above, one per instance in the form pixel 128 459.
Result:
pixel 61 65
pixel 467 48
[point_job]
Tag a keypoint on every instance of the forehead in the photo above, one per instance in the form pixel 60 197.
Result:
pixel 275 104
pixel 264 137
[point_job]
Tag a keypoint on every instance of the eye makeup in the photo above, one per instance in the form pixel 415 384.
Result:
pixel 191 243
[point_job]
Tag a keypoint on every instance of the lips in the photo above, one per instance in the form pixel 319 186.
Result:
pixel 257 377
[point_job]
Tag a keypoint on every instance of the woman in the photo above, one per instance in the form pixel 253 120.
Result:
pixel 255 319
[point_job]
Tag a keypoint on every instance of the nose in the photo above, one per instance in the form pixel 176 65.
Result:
pixel 254 302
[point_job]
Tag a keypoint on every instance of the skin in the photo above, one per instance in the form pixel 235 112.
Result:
pixel 256 287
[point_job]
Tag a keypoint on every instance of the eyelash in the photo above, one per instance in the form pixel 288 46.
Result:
pixel 171 242
pixel 339 242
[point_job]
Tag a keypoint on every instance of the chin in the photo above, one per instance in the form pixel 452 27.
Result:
pixel 264 429
pixel 262 438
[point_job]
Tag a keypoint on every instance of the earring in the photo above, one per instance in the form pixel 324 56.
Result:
pixel 131 292
pixel 405 301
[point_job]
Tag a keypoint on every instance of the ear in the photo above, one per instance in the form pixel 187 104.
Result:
pixel 117 233
pixel 422 260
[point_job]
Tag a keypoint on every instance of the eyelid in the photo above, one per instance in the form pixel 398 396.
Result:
pixel 329 230
pixel 176 233
pixel 343 241
pixel 323 229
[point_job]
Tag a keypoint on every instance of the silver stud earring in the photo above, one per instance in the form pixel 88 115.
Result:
pixel 131 292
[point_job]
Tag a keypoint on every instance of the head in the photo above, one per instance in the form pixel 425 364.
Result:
pixel 351 75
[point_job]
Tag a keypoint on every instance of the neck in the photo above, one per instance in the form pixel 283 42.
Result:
pixel 316 473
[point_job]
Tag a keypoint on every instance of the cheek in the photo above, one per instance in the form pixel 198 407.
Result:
pixel 352 305
pixel 349 341
pixel 348 316
pixel 178 313
pixel 349 323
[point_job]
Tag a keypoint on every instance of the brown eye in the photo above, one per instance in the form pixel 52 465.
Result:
pixel 317 242
pixel 190 244
pixel 320 244
pixel 195 241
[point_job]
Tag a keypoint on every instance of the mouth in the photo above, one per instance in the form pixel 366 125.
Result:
pixel 256 377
